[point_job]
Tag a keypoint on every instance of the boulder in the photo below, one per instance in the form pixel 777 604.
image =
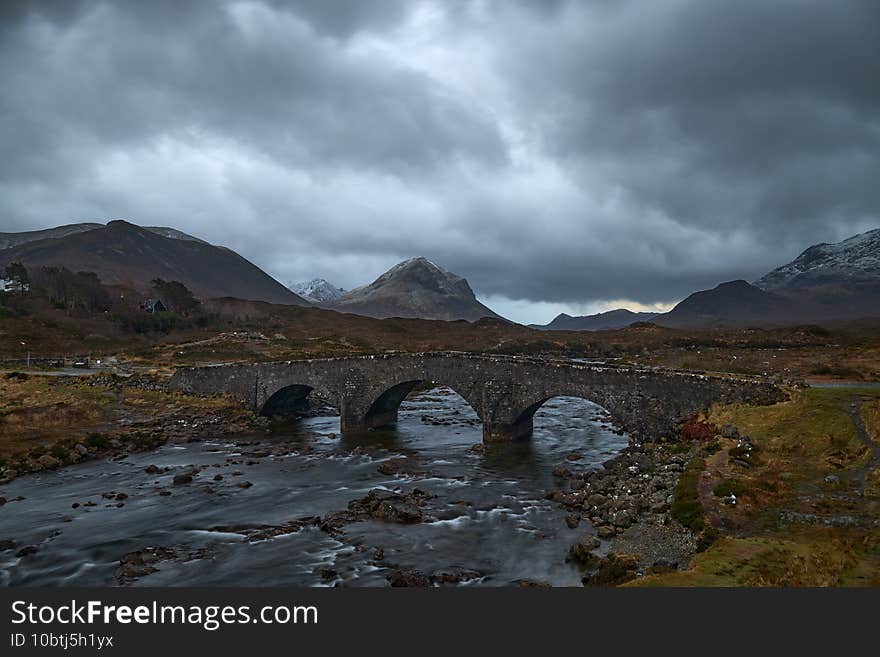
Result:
pixel 453 576
pixel 49 462
pixel 408 578
pixel 729 431
pixel 27 550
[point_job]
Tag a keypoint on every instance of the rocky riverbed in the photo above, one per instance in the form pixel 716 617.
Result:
pixel 424 504
pixel 628 504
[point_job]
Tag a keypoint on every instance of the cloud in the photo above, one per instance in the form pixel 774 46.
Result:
pixel 561 155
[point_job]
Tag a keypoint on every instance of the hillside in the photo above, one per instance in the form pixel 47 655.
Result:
pixel 126 254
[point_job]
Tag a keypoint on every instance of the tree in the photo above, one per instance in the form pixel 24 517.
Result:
pixel 79 291
pixel 17 274
pixel 176 296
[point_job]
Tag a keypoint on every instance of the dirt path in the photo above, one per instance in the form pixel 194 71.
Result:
pixel 860 475
pixel 715 465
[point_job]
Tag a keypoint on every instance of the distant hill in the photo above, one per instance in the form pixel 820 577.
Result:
pixel 318 291
pixel 123 253
pixel 735 303
pixel 611 319
pixel 415 288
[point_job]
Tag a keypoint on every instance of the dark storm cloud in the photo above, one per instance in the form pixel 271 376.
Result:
pixel 559 151
pixel 779 96
pixel 248 74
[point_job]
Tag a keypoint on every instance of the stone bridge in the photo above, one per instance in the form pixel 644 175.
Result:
pixel 505 391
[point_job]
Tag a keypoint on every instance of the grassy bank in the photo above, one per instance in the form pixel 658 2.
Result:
pixel 50 415
pixel 806 495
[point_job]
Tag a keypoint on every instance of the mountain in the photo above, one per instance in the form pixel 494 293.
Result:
pixel 611 319
pixel 853 259
pixel 318 290
pixel 735 303
pixel 827 282
pixel 123 253
pixel 415 288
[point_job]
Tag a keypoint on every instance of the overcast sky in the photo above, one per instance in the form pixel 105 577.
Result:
pixel 563 156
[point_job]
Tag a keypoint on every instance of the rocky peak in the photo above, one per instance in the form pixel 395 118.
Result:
pixel 423 273
pixel 416 288
pixel 318 290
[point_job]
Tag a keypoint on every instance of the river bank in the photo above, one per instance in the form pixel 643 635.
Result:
pixel 47 422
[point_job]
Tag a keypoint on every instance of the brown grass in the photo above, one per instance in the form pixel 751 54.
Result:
pixel 42 410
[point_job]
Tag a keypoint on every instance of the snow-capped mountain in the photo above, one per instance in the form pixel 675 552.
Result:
pixel 827 282
pixel 318 290
pixel 415 288
pixel 853 259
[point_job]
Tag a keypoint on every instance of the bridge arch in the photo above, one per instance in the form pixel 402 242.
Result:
pixel 524 421
pixel 518 420
pixel 293 396
pixel 287 401
pixel 384 401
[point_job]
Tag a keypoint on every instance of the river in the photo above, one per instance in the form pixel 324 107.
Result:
pixel 488 513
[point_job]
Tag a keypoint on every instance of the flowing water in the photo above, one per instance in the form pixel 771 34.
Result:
pixel 488 514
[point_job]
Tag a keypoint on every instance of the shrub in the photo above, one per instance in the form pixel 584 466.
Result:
pixel 59 451
pixel 730 487
pixel 97 440
pixel 696 429
pixel 711 448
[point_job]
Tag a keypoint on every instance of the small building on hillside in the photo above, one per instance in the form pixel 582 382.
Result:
pixel 9 285
pixel 154 306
